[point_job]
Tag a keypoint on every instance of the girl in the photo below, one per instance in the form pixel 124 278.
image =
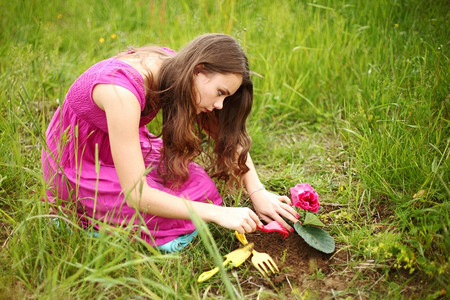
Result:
pixel 101 157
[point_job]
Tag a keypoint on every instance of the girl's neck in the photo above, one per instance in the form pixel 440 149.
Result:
pixel 148 66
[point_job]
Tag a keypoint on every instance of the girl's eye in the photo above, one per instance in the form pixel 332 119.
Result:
pixel 220 93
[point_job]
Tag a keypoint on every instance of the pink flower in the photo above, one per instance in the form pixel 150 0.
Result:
pixel 305 197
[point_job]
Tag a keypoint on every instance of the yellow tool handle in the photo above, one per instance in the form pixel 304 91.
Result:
pixel 208 274
pixel 241 237
pixel 237 257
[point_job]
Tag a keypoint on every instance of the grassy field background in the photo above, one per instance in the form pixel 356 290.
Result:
pixel 350 96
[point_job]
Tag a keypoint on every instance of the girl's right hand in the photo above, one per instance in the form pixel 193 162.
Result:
pixel 241 219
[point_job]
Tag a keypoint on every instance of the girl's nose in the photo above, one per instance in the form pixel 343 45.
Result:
pixel 218 104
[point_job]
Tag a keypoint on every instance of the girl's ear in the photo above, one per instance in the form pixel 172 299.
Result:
pixel 199 68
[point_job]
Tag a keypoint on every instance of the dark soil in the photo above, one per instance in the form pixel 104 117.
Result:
pixel 304 271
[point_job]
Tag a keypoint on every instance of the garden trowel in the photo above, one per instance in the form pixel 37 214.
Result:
pixel 235 258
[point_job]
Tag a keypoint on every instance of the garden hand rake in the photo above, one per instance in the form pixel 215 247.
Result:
pixel 261 261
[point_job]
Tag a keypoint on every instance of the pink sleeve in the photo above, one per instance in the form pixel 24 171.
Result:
pixel 126 77
pixel 168 51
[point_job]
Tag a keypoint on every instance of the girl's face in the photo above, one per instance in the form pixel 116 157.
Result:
pixel 211 89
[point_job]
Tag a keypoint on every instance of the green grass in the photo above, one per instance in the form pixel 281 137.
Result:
pixel 350 96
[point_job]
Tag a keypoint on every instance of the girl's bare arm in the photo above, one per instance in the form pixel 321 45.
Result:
pixel 123 113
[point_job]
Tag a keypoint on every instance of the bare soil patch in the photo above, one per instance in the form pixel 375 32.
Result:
pixel 303 269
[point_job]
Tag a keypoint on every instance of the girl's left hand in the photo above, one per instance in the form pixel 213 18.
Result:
pixel 271 207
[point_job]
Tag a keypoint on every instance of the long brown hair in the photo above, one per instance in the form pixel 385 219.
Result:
pixel 180 132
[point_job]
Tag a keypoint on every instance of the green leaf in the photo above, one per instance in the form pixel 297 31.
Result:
pixel 316 237
pixel 312 219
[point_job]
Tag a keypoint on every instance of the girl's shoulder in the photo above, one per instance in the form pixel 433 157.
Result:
pixel 110 71
pixel 114 71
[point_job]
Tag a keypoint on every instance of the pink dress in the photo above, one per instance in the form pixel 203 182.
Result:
pixel 78 133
